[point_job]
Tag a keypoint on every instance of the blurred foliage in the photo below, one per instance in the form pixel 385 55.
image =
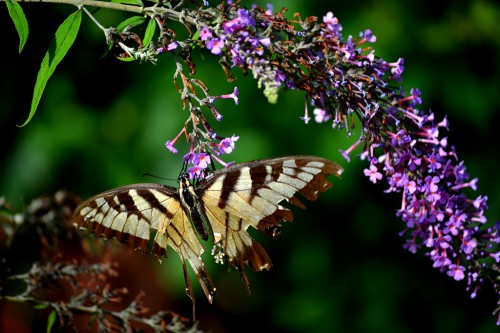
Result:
pixel 339 267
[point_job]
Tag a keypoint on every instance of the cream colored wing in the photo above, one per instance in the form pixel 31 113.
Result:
pixel 135 213
pixel 250 194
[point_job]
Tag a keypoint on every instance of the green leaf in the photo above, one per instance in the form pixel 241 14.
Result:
pixel 41 306
pixel 129 2
pixel 150 32
pixel 196 35
pixel 51 320
pixel 17 15
pixel 65 36
pixel 131 21
pixel 127 59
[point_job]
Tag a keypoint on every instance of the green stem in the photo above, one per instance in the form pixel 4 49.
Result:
pixel 93 3
pixel 171 14
pixel 103 29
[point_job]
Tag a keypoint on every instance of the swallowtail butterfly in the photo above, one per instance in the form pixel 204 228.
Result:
pixel 219 207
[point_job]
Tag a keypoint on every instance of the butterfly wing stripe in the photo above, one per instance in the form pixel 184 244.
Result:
pixel 236 204
pixel 222 194
pixel 311 170
pixel 250 199
pixel 217 218
pixel 293 181
pixel 160 208
pixel 119 221
pixel 179 228
pixel 316 163
pixel 304 176
pixel 282 188
pixel 266 201
pixel 226 185
pixel 289 162
pixel 134 226
pixel 259 176
pixel 105 218
pixel 127 217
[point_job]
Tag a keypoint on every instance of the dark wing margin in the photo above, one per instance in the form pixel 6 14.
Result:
pixel 306 175
pixel 148 217
pixel 249 194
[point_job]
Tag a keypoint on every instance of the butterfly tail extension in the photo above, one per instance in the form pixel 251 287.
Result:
pixel 189 289
pixel 241 249
pixel 256 257
pixel 205 282
pixel 252 255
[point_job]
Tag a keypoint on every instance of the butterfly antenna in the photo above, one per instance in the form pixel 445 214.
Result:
pixel 155 176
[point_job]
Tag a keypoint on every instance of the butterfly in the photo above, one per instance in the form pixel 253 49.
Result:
pixel 217 208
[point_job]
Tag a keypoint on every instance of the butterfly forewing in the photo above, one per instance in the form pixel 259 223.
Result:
pixel 230 200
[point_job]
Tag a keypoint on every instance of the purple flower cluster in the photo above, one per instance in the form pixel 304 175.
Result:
pixel 439 217
pixel 406 146
pixel 346 84
pixel 238 38
pixel 202 161
pixel 240 44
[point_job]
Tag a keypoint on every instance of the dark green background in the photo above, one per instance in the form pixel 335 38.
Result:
pixel 340 266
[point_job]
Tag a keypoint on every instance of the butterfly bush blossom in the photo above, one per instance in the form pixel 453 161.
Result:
pixel 346 84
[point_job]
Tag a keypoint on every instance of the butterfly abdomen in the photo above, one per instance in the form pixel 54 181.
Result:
pixel 194 207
